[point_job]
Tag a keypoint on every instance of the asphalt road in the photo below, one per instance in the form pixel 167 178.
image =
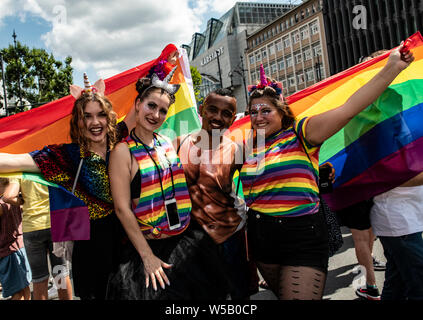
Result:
pixel 344 275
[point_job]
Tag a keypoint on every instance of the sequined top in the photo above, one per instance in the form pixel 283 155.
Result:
pixel 59 164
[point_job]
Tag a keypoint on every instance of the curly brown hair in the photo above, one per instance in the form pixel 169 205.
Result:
pixel 274 98
pixel 77 133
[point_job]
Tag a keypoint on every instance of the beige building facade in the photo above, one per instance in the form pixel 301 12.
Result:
pixel 292 48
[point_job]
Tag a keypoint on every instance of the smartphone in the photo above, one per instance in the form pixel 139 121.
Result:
pixel 325 184
pixel 172 214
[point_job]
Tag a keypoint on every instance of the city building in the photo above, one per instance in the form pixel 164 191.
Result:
pixel 218 52
pixel 356 28
pixel 291 48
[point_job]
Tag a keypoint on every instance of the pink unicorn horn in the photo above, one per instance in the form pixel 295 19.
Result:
pixel 263 79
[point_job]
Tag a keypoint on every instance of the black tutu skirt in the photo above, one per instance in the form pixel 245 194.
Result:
pixel 197 271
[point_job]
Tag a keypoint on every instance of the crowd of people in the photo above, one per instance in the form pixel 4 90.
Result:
pixel 166 218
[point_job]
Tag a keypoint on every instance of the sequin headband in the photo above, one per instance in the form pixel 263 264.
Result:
pixel 277 86
pixel 98 87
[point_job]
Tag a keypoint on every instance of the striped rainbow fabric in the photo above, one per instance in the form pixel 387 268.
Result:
pixel 150 211
pixel 380 148
pixel 69 216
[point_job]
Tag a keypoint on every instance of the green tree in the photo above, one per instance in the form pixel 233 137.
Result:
pixel 196 82
pixel 42 77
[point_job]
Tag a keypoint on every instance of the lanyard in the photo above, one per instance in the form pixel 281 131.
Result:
pixel 136 139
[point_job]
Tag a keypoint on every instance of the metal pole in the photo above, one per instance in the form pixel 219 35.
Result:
pixel 3 79
pixel 17 68
pixel 218 65
pixel 243 80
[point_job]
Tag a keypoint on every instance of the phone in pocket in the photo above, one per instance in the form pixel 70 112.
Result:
pixel 172 214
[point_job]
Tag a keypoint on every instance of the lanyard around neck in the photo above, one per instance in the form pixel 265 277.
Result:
pixel 138 140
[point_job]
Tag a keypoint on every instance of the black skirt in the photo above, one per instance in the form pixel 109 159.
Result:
pixel 197 271
pixel 94 260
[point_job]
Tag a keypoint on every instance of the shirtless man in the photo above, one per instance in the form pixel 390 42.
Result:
pixel 210 160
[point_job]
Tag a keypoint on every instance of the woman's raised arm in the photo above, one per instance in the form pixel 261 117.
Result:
pixel 322 126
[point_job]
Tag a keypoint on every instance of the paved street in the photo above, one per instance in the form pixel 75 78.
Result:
pixel 341 282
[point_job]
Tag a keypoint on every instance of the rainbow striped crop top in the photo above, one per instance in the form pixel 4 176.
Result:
pixel 150 210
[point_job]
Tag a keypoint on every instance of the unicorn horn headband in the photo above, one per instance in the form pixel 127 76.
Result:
pixel 165 85
pixel 99 87
pixel 277 86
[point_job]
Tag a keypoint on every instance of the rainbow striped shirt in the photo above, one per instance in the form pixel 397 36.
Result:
pixel 150 210
pixel 279 179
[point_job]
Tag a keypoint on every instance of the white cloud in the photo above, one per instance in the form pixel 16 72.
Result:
pixel 111 36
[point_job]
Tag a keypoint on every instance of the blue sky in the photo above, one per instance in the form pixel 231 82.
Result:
pixel 106 37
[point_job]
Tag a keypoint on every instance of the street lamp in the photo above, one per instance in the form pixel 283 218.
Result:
pixel 218 65
pixel 17 68
pixel 3 79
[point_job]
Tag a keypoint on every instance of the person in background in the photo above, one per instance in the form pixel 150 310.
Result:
pixel 37 240
pixel 15 272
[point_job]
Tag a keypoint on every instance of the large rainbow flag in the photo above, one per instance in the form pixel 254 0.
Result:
pixel 380 148
pixel 49 124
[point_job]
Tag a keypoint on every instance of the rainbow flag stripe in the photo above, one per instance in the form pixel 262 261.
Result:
pixel 380 148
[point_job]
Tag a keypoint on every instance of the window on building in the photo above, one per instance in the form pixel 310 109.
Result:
pixel 283 83
pixel 279 46
pixel 295 37
pixel 307 54
pixel 258 56
pixel 266 70
pixel 286 42
pixel 298 58
pixel 314 27
pixel 264 53
pixel 274 67
pixel 300 78
pixel 289 62
pixel 271 49
pixel 281 64
pixel 317 50
pixel 304 33
pixel 291 81
pixel 251 57
pixel 253 77
pixel 309 74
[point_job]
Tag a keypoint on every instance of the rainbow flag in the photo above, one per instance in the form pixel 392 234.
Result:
pixel 49 124
pixel 69 216
pixel 380 148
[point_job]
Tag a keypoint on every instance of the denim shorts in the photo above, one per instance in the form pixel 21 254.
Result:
pixel 293 241
pixel 15 273
pixel 38 245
